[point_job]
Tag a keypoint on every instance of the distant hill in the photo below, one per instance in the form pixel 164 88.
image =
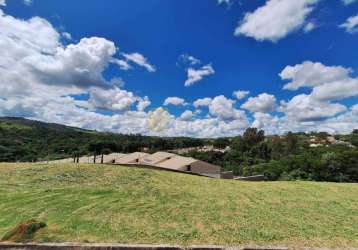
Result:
pixel 28 140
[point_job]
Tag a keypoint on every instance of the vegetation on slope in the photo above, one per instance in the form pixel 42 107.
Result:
pixel 98 203
pixel 26 141
pixel 286 158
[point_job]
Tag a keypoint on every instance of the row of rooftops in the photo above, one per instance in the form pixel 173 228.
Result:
pixel 161 160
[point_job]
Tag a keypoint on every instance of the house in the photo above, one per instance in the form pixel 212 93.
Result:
pixel 192 165
pixel 111 158
pixel 85 159
pixel 133 158
pixel 159 160
pixel 156 158
pixel 334 141
pixel 170 161
pixel 206 148
pixel 314 142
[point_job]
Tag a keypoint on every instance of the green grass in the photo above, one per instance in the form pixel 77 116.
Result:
pixel 90 203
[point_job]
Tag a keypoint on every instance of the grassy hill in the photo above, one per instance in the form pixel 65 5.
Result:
pixel 89 203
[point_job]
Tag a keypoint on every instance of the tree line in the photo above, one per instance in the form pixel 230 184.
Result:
pixel 287 157
pixel 27 141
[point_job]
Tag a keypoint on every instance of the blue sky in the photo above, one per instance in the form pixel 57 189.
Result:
pixel 148 49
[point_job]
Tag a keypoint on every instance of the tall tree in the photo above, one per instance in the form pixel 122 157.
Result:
pixel 292 143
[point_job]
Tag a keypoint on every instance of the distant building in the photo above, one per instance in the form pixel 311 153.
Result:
pixel 85 159
pixel 156 158
pixel 333 141
pixel 192 165
pixel 207 148
pixel 111 158
pixel 170 161
pixel 330 140
pixel 159 160
pixel 133 158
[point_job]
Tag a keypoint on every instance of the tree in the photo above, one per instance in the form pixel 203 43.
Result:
pixel 277 148
pixel 96 148
pixel 248 140
pixel 292 142
pixel 252 137
pixel 221 143
pixel 322 135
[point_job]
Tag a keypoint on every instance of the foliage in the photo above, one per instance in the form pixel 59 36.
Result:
pixel 27 141
pixel 221 143
pixel 287 157
pixel 352 138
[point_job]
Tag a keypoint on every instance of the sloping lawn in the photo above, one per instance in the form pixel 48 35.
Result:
pixel 97 203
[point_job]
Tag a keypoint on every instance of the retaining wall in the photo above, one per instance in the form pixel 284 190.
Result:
pixel 99 246
pixel 79 246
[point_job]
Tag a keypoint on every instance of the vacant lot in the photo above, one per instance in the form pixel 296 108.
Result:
pixel 89 203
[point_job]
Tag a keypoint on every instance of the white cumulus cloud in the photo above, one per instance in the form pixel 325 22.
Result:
pixel 276 19
pixel 203 102
pixel 67 35
pixel 114 99
pixel 310 74
pixel 351 24
pixel 263 103
pixel 327 82
pixel 195 75
pixel 139 59
pixel 270 124
pixel 159 119
pixel 305 108
pixel 336 90
pixel 309 27
pixel 143 103
pixel 240 94
pixel 45 74
pixel 223 108
pixel 123 64
pixel 173 100
pixel 187 115
pixel 189 59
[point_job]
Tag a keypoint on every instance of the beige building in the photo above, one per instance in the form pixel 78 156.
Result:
pixel 133 158
pixel 164 160
pixel 85 159
pixel 160 160
pixel 111 158
pixel 156 158
pixel 192 165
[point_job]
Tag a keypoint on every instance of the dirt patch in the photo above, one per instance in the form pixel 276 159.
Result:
pixel 24 231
